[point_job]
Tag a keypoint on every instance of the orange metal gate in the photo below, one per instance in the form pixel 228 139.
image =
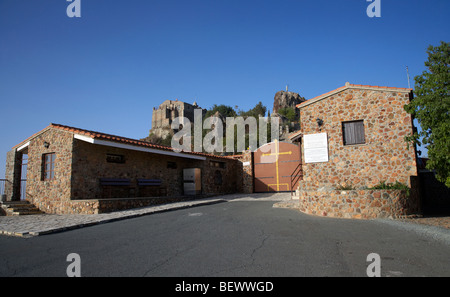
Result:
pixel 274 163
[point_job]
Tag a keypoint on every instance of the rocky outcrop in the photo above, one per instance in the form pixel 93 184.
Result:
pixel 285 99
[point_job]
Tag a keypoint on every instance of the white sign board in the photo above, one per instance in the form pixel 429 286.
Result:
pixel 315 148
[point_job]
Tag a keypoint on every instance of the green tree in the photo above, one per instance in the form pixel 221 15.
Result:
pixel 224 110
pixel 289 113
pixel 258 111
pixel 152 138
pixel 431 107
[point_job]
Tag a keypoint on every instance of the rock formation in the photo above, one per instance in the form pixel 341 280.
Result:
pixel 285 99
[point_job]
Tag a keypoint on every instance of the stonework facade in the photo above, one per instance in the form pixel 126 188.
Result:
pixel 247 162
pixel 377 153
pixel 12 175
pixel 383 155
pixel 83 158
pixel 355 204
pixel 50 196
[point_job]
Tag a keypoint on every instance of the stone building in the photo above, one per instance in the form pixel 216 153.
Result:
pixel 163 116
pixel 72 170
pixel 350 139
pixel 365 128
pixel 353 138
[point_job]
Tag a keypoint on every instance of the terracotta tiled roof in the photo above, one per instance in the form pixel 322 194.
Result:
pixel 295 134
pixel 114 138
pixel 110 137
pixel 351 86
pixel 379 87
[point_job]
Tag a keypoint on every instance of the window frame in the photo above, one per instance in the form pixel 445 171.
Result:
pixel 48 174
pixel 217 164
pixel 172 165
pixel 115 158
pixel 357 135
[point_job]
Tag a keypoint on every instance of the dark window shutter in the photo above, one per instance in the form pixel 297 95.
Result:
pixel 359 132
pixel 353 132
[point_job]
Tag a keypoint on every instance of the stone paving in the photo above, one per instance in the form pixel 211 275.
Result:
pixel 35 225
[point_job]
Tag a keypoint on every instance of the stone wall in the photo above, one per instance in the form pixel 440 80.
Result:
pixel 221 176
pixel 79 165
pixel 383 157
pixel 96 206
pixel 356 204
pixel 51 196
pixel 90 164
pixel 247 171
pixel 13 175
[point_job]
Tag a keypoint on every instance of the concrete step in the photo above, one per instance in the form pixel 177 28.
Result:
pixel 8 203
pixel 22 209
pixel 27 212
pixel 17 205
pixel 16 208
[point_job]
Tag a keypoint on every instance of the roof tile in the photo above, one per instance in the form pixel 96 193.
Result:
pixel 348 85
pixel 115 138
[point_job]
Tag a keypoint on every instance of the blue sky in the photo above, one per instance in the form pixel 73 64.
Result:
pixel 106 70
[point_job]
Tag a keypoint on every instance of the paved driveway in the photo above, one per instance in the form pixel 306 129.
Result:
pixel 242 237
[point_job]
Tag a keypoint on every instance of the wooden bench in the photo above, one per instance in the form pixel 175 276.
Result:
pixel 149 182
pixel 121 187
pixel 115 182
pixel 150 187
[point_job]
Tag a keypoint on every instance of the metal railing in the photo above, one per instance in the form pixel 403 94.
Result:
pixel 296 175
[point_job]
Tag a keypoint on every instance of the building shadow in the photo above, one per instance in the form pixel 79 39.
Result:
pixel 435 196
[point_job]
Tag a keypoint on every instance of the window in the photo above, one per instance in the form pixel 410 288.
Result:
pixel 48 164
pixel 111 158
pixel 171 165
pixel 353 132
pixel 217 164
pixel 218 178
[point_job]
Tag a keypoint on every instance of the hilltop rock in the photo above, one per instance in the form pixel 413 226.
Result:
pixel 285 99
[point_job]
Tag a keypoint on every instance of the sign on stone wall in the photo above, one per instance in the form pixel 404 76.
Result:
pixel 315 147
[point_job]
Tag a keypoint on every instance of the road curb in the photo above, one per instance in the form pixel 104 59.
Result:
pixel 28 234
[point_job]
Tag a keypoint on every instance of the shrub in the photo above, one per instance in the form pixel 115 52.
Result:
pixel 344 186
pixel 391 186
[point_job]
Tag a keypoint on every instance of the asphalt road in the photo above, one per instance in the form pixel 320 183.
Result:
pixel 232 239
